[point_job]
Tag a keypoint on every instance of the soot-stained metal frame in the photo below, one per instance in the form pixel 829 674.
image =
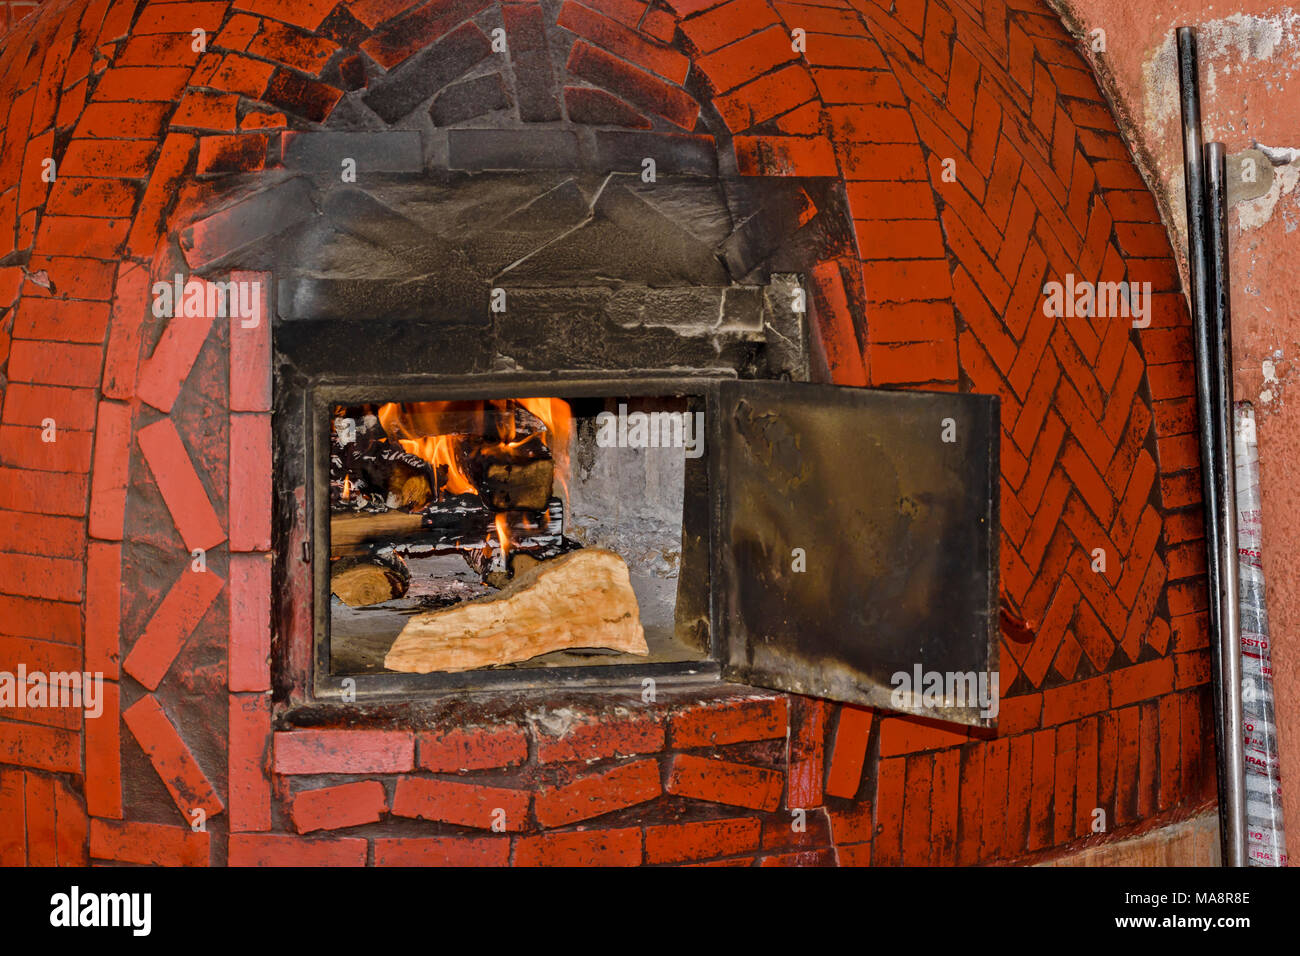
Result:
pixel 697 523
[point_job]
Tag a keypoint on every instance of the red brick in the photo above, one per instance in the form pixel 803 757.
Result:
pixel 122 120
pixel 1072 701
pixel 30 575
pixel 729 722
pixel 890 781
pixel 42 492
pixel 834 334
pixel 765 97
pixel 637 87
pixel 681 842
pixel 179 483
pixel 442 851
pixel 71 408
pixel 915 363
pixel 54 363
pixel 237 74
pixel 148 844
pixel 110 477
pixel 236 153
pixel 472 748
pixel 61 320
pixel 250 622
pixel 160 192
pixel 784 156
pixel 123 354
pixel 165 371
pixel 917 791
pixel 72 827
pixel 250 483
pixel 48 535
pixel 1086 776
pixel 597 794
pixel 292 48
pixel 250 786
pixel 848 751
pixel 13 817
pixel 171 758
pixel 1127 773
pixel 171 625
pixel 103 607
pixel 27 448
pixel 268 849
pixel 856 86
pixel 720 781
pixel 723 24
pixel 344 751
pixel 115 159
pixel 141 83
pixel 806 752
pixel 1141 681
pixel 1066 769
pixel 858 53
pixel 899 239
pixel 334 808
pixel 41 830
pixel 250 349
pixel 465 804
pixel 597 738
pixel 905 735
pixel 167 49
pixel 745 59
pixel 39 747
pixel 580 848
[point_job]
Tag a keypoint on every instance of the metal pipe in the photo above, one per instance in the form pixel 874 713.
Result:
pixel 1194 181
pixel 1233 813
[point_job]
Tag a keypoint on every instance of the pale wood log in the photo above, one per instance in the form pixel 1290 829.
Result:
pixel 581 599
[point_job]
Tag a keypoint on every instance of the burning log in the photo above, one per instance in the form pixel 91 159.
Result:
pixel 360 583
pixel 455 525
pixel 508 485
pixel 582 599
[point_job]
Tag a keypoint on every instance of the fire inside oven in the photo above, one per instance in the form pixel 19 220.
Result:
pixel 513 533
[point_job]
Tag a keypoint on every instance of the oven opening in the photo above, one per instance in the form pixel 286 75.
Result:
pixel 515 533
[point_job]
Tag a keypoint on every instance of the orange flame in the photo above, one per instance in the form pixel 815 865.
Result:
pixel 503 533
pixel 435 431
pixel 347 488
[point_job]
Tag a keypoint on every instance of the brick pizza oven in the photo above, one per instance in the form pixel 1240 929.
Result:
pixel 300 289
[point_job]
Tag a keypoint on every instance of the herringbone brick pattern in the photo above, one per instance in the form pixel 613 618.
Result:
pixel 979 162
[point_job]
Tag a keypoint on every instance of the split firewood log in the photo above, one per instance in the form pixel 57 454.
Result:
pixel 361 583
pixel 581 599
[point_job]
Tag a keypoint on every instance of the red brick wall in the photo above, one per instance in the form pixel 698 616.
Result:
pixel 162 430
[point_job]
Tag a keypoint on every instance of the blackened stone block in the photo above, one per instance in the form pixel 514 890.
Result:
pixel 352 72
pixel 597 108
pixel 438 299
pixel 626 240
pixel 692 310
pixel 395 151
pixel 401 91
pixel 512 149
pixel 296 94
pixel 469 98
pixel 535 87
pixel 673 153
